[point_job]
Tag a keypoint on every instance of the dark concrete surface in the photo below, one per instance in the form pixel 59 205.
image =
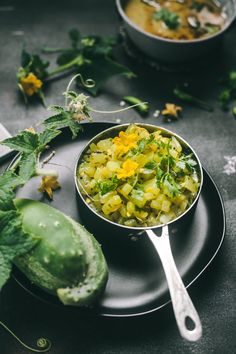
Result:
pixel 212 134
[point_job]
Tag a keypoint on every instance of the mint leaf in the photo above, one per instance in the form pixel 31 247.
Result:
pixel 13 242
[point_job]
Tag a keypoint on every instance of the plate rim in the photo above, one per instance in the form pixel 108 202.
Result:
pixel 95 310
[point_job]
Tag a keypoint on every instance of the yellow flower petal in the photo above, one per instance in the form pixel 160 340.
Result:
pixel 124 142
pixel 171 109
pixel 48 185
pixel 31 130
pixel 31 84
pixel 128 169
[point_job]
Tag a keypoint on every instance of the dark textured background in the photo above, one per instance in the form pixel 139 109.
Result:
pixel 211 134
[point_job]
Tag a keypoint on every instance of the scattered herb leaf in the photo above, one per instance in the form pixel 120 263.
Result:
pixel 186 97
pixel 228 92
pixel 142 108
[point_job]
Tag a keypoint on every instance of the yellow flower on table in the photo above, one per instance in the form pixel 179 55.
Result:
pixel 30 84
pixel 128 169
pixel 171 110
pixel 48 185
pixel 125 142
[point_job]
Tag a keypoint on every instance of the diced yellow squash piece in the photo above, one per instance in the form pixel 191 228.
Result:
pixel 165 218
pixel 189 184
pixel 130 208
pixel 113 166
pixel 98 158
pixel 113 204
pixel 166 206
pixel 104 144
pixel 105 197
pixel 125 189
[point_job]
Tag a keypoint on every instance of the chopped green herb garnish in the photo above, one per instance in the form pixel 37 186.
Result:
pixel 151 165
pixel 171 19
pixel 107 186
pixel 212 29
pixel 172 187
pixel 198 6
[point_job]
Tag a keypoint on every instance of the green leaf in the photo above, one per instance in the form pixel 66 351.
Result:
pixel 25 58
pixel 151 165
pixel 74 37
pixel 75 128
pixel 8 182
pixel 63 120
pixel 67 56
pixel 32 63
pixel 95 46
pixel 27 166
pixel 171 19
pixel 198 6
pixel 159 176
pixel 47 136
pixel 56 108
pixel 38 66
pixel 13 242
pixel 172 188
pixel 100 70
pixel 224 99
pixel 107 186
pixel 24 141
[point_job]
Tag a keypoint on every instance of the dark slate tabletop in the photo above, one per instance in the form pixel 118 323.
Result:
pixel 212 134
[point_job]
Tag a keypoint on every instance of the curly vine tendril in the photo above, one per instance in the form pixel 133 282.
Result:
pixel 88 83
pixel 43 344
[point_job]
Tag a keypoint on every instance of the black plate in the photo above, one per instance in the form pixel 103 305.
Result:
pixel 137 282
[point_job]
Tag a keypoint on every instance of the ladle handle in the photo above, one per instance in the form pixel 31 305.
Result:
pixel 183 307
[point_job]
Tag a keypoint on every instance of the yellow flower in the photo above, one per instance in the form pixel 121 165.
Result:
pixel 31 130
pixel 48 185
pixel 128 169
pixel 125 142
pixel 30 84
pixel 171 110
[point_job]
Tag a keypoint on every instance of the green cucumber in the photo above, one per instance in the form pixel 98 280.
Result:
pixel 68 261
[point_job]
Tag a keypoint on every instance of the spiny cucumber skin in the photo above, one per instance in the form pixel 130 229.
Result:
pixel 59 252
pixel 68 261
pixel 97 274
